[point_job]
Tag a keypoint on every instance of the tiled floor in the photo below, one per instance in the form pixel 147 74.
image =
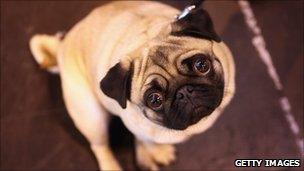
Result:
pixel 37 133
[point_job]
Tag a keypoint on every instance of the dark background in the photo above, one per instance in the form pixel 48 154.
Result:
pixel 37 133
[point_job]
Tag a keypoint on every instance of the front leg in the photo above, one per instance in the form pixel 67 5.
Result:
pixel 149 155
pixel 89 116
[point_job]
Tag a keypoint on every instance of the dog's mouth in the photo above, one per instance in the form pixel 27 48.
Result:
pixel 181 121
pixel 194 107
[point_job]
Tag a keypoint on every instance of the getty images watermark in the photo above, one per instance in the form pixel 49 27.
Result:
pixel 267 163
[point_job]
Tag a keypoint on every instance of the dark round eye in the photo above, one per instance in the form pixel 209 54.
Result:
pixel 155 101
pixel 202 66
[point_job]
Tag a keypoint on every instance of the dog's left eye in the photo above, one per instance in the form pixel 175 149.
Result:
pixel 155 100
pixel 202 66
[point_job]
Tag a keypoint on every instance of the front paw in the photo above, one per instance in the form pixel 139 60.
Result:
pixel 110 165
pixel 149 156
pixel 105 158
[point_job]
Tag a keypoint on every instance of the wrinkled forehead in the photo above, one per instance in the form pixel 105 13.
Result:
pixel 172 47
pixel 164 56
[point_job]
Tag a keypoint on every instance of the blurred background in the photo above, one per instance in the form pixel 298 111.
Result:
pixel 37 133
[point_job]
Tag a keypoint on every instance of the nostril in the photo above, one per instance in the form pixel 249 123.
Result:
pixel 190 89
pixel 179 95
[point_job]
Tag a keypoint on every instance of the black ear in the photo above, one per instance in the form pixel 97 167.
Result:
pixel 116 84
pixel 197 23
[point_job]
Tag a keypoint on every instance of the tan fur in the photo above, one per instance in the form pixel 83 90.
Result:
pixel 129 31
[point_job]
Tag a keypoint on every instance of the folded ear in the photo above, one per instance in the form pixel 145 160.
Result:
pixel 116 84
pixel 197 23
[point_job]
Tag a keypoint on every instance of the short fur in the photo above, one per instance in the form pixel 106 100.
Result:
pixel 110 58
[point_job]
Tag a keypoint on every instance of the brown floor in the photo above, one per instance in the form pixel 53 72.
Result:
pixel 37 133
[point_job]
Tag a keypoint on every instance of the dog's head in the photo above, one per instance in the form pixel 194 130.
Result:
pixel 177 78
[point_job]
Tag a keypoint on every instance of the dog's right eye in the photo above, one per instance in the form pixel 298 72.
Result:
pixel 155 100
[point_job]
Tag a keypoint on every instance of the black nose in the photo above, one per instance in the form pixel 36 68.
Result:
pixel 184 91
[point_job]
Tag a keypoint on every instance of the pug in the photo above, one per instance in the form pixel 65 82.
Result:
pixel 165 73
